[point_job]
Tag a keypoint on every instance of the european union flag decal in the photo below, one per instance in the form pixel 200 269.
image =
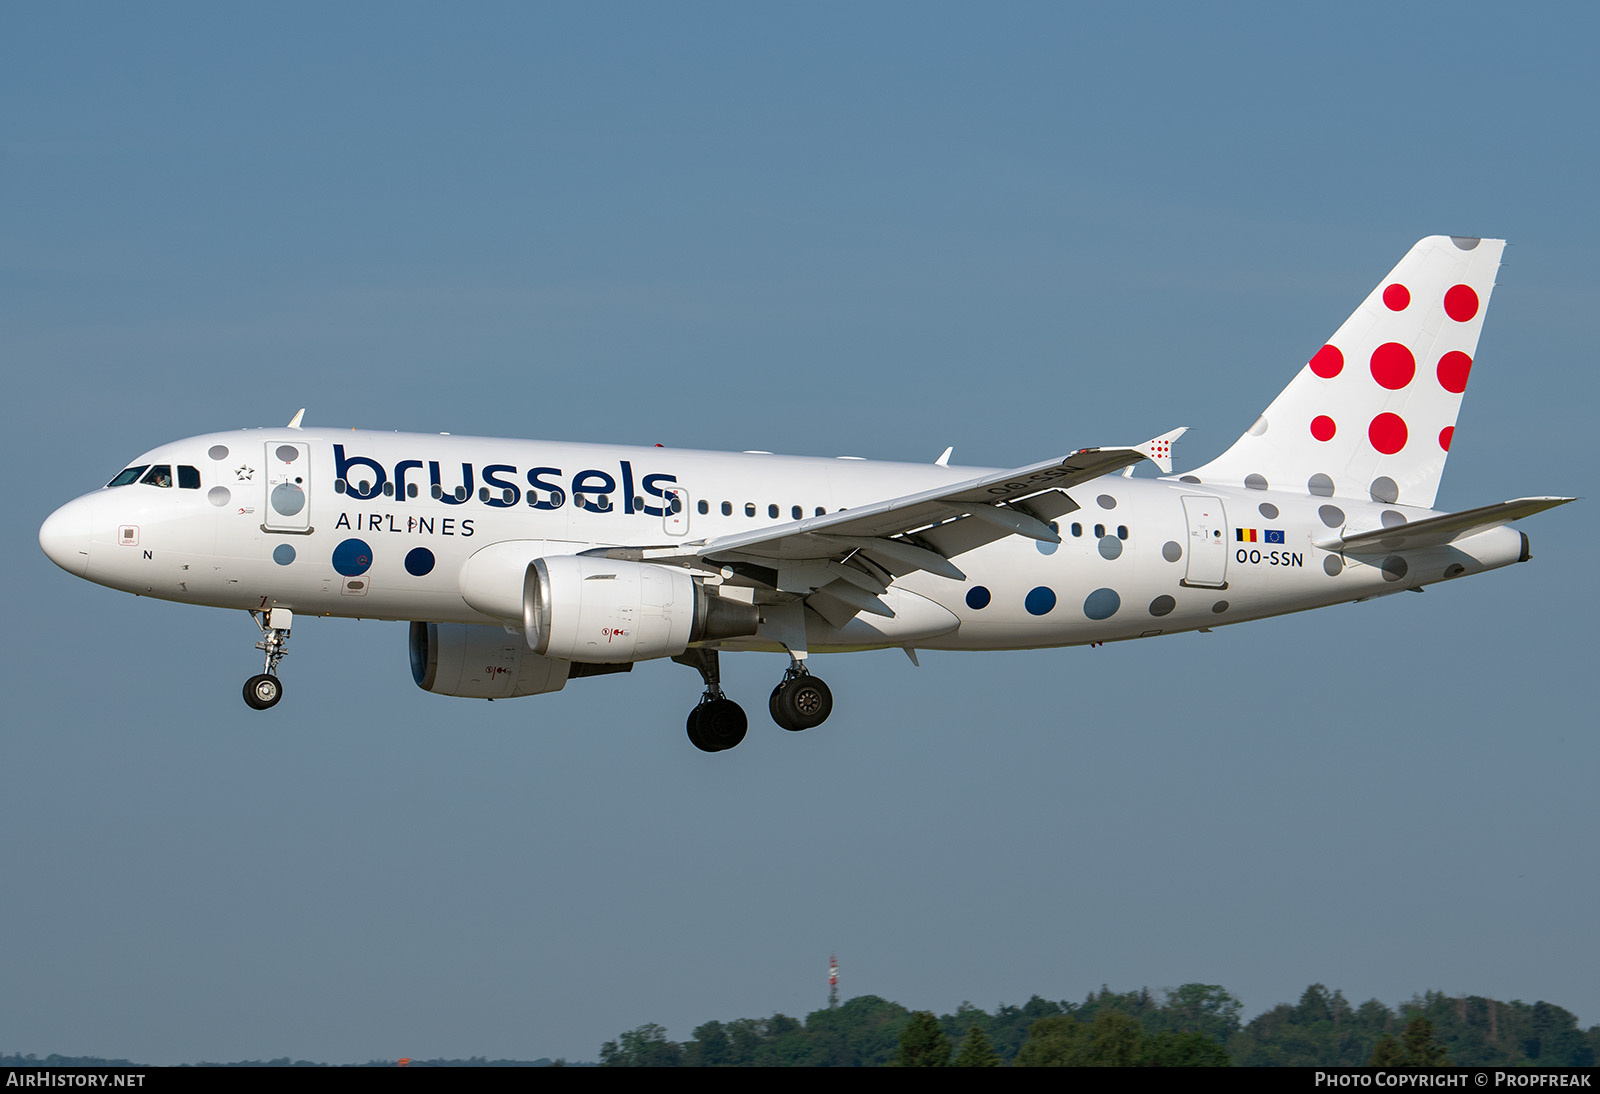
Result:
pixel 1274 535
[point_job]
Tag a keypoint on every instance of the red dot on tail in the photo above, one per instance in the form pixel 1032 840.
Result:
pixel 1460 303
pixel 1396 297
pixel 1328 362
pixel 1323 428
pixel 1387 433
pixel 1393 366
pixel 1446 435
pixel 1454 367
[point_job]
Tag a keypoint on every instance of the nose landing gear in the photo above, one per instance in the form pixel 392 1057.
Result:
pixel 263 690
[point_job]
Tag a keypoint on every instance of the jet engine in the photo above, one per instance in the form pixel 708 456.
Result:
pixel 578 608
pixel 475 661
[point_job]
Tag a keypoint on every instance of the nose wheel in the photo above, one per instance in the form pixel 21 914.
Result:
pixel 262 691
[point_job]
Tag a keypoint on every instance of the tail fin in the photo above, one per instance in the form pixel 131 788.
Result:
pixel 1374 412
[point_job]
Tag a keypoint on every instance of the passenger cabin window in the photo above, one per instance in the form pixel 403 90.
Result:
pixel 130 475
pixel 159 475
pixel 772 512
pixel 796 513
pixel 727 508
pixel 704 506
pixel 1122 531
pixel 188 477
pixel 749 508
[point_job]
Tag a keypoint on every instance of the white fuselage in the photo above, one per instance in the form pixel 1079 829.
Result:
pixel 386 522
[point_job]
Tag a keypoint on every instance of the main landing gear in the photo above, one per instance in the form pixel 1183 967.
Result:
pixel 263 690
pixel 800 701
pixel 717 722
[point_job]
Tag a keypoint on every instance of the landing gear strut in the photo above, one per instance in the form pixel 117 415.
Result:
pixel 800 701
pixel 717 723
pixel 265 689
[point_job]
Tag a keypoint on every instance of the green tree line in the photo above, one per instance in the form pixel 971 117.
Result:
pixel 1195 1025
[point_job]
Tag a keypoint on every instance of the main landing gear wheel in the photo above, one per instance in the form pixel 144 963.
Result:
pixel 801 701
pixel 717 724
pixel 262 691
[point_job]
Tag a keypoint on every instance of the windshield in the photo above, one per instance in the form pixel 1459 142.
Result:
pixel 130 475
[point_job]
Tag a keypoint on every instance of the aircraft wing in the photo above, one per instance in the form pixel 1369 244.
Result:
pixel 921 531
pixel 1436 531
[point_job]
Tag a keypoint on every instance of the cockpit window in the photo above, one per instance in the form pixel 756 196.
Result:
pixel 188 477
pixel 159 475
pixel 130 475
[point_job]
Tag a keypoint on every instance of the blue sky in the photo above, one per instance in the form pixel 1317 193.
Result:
pixel 876 230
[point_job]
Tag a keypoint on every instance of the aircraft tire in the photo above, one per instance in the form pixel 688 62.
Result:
pixel 801 702
pixel 695 737
pixel 262 692
pixel 723 723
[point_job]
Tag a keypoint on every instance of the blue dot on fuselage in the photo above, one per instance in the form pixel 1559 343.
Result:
pixel 283 554
pixel 419 561
pixel 352 558
pixel 977 597
pixel 1040 601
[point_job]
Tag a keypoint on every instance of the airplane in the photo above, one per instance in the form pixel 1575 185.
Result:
pixel 522 565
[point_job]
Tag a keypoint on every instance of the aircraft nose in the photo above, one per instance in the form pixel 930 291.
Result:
pixel 65 536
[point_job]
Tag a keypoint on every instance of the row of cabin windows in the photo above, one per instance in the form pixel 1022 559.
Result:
pixel 159 475
pixel 1100 530
pixel 550 499
pixel 554 499
pixel 796 512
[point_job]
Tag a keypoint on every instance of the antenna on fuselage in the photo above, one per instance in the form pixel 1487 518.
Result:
pixel 294 423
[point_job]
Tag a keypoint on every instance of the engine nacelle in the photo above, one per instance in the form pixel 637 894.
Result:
pixel 480 662
pixel 602 610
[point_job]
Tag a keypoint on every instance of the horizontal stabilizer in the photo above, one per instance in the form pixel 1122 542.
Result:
pixel 1436 531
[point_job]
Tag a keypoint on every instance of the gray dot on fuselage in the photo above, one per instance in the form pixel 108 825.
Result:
pixel 1332 565
pixel 1331 515
pixel 218 451
pixel 1392 519
pixel 1162 605
pixel 1172 550
pixel 1255 482
pixel 1394 568
pixel 218 496
pixel 1188 478
pixel 1219 607
pixel 1384 489
pixel 1465 243
pixel 1106 501
pixel 1320 485
pixel 1110 547
pixel 1268 510
pixel 1102 604
pixel 1259 426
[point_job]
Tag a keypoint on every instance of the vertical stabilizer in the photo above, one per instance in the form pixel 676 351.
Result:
pixel 1373 413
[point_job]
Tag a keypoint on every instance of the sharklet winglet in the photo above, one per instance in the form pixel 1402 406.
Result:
pixel 1158 450
pixel 294 423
